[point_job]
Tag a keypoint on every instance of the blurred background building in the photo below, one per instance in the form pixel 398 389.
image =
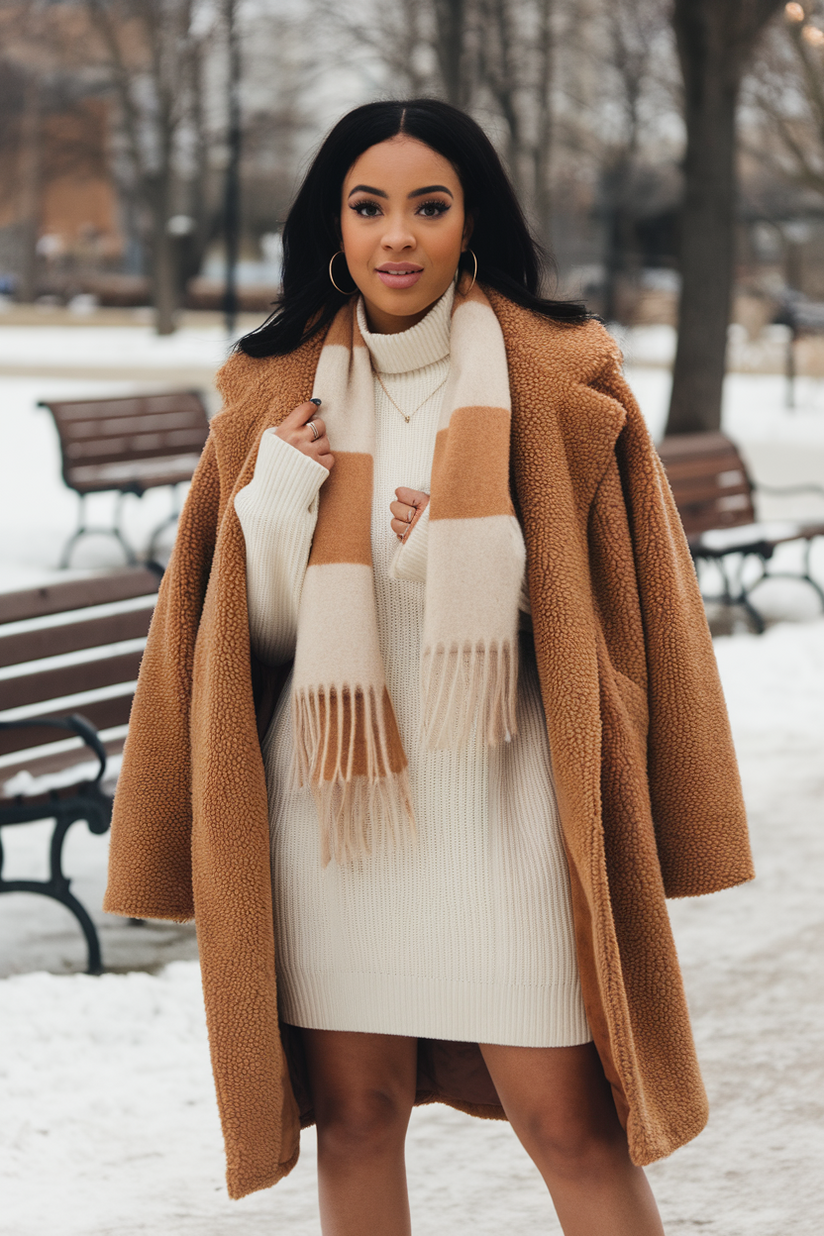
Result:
pixel 113 131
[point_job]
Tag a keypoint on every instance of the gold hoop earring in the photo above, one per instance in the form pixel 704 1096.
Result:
pixel 475 273
pixel 332 277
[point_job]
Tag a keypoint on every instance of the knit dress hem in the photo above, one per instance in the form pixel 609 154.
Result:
pixel 443 1008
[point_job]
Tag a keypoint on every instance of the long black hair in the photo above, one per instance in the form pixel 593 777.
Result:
pixel 510 260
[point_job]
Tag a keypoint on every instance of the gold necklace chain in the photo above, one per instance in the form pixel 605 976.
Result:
pixel 420 405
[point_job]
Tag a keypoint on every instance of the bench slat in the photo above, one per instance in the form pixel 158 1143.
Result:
pixel 66 411
pixel 69 680
pixel 706 489
pixel 104 433
pixel 681 470
pixel 77 594
pixel 74 636
pixel 709 482
pixel 55 684
pixel 153 422
pixel 685 444
pixel 134 446
pixel 103 714
pixel 694 525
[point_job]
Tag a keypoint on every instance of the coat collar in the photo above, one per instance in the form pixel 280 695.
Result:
pixel 554 376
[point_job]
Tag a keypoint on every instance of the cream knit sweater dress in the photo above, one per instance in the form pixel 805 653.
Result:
pixel 465 933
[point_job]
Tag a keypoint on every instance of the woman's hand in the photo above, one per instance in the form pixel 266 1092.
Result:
pixel 297 430
pixel 407 510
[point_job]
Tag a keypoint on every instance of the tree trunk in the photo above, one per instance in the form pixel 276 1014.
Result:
pixel 711 84
pixel 542 154
pixel 30 193
pixel 164 276
pixel 450 24
pixel 714 38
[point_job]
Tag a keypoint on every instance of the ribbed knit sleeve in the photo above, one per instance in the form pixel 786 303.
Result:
pixel 278 511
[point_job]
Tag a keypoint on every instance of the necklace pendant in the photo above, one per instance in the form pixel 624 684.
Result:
pixel 407 419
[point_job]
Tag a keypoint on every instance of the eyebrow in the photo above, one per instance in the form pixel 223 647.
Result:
pixel 414 193
pixel 430 189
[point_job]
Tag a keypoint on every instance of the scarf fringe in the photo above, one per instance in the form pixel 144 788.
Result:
pixel 359 816
pixel 332 728
pixel 462 684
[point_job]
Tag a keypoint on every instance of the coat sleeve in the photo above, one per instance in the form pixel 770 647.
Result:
pixel 695 789
pixel 150 869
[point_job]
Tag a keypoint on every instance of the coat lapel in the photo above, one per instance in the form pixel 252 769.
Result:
pixel 563 440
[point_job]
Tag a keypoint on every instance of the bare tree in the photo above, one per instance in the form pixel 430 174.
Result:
pixel 516 41
pixel 634 30
pixel 451 20
pixel 786 87
pixel 493 57
pixel 715 40
pixel 154 54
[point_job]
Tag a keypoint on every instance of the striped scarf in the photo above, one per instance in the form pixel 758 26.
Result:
pixel 348 747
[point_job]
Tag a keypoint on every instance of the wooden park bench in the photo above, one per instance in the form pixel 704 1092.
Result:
pixel 126 446
pixel 69 656
pixel 714 495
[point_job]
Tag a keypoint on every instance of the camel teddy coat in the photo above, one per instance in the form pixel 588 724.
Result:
pixel 644 767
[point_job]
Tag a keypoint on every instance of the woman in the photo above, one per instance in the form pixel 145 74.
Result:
pixel 472 831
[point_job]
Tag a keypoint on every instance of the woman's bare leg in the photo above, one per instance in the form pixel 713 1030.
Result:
pixel 561 1108
pixel 363 1088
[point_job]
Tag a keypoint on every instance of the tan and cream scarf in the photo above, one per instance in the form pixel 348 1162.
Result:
pixel 347 745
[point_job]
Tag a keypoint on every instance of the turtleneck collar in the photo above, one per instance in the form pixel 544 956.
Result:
pixel 416 347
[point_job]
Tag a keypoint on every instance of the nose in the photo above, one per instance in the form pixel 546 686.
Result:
pixel 397 234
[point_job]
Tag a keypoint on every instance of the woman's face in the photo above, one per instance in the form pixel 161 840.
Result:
pixel 403 229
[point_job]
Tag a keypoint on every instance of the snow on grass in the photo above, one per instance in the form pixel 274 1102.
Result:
pixel 37 511
pixel 109 1119
pixel 81 347
pixel 109 1122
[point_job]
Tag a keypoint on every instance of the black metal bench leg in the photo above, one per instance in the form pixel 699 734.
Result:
pixel 736 595
pixel 131 556
pixel 79 532
pixel 58 888
pixel 807 576
pixel 75 907
pixel 115 531
pixel 170 519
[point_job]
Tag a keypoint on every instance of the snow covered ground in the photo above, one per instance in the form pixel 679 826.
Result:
pixel 102 347
pixel 108 1118
pixel 109 1121
pixel 37 512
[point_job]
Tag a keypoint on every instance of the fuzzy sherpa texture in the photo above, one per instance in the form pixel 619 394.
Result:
pixel 644 766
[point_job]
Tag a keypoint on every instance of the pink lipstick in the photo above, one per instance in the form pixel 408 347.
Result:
pixel 399 274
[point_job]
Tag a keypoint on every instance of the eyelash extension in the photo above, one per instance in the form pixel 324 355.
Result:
pixel 442 207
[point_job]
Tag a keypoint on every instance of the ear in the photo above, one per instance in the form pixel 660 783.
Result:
pixel 468 229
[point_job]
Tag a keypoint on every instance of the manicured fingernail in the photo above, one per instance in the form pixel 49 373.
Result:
pixel 316 402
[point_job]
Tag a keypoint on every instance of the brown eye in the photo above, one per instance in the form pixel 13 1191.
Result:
pixel 431 210
pixel 366 210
